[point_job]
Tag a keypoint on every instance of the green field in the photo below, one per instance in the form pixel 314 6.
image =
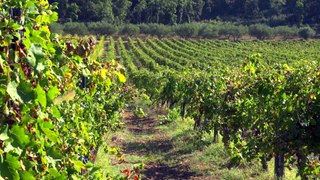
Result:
pixel 245 87
pixel 176 54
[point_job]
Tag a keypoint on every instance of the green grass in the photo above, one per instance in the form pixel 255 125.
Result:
pixel 204 158
pixel 212 159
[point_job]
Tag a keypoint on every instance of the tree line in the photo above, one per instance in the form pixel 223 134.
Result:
pixel 272 12
pixel 212 30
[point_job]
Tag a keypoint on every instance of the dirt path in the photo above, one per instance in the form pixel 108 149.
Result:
pixel 155 144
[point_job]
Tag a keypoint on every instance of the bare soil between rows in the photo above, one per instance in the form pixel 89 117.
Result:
pixel 159 143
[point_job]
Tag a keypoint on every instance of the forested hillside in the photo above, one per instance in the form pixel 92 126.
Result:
pixel 272 12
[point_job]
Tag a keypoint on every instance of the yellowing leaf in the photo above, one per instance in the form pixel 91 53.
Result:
pixel 78 165
pixel 67 75
pixel 121 77
pixel 120 156
pixel 6 43
pixel 103 73
pixel 45 29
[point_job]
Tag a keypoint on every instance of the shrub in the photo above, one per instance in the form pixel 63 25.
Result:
pixel 56 28
pixel 145 28
pixel 286 31
pixel 130 30
pixel 261 31
pixel 233 30
pixel 237 31
pixel 186 30
pixel 102 28
pixel 224 31
pixel 160 30
pixel 75 28
pixel 209 31
pixel 307 32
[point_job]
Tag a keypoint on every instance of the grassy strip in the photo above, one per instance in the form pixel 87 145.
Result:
pixel 203 158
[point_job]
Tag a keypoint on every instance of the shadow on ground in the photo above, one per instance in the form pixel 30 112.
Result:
pixel 163 171
pixel 158 144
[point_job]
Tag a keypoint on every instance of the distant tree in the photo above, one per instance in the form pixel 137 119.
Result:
pixel 261 31
pixel 207 9
pixel 238 31
pixel 209 31
pixel 271 12
pixel 169 11
pixel 286 31
pixel 187 30
pixel 251 9
pixel 130 30
pixel 138 11
pixel 181 6
pixel 311 11
pixel 62 7
pixel 159 30
pixel 299 12
pixel 120 9
pixel 73 11
pixel 198 9
pixel 307 32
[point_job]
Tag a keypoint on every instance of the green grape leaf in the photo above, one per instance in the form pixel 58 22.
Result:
pixel 54 153
pixel 13 165
pixel 31 59
pixel 53 93
pixel 19 135
pixel 51 135
pixel 89 165
pixel 27 43
pixel 25 91
pixel 35 52
pixel 47 125
pixel 41 96
pixel 15 26
pixel 16 34
pixel 26 118
pixel 78 165
pixel 26 175
pixel 4 171
pixel 54 16
pixel 56 112
pixel 86 72
pixel 53 174
pixel 8 38
pixel 12 91
pixel 30 5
